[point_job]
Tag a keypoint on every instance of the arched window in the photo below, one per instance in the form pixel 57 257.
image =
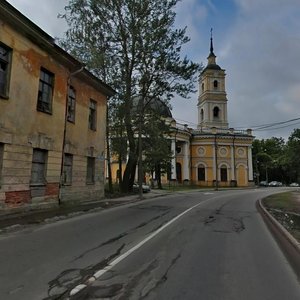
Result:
pixel 223 172
pixel 202 86
pixel 202 114
pixel 215 84
pixel 216 112
pixel 201 173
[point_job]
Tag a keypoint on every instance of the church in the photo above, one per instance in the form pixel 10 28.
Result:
pixel 213 154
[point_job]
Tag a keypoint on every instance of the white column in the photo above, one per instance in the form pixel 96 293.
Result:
pixel 173 149
pixel 232 163
pixel 186 173
pixel 250 164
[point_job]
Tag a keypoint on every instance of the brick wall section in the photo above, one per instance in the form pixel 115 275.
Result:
pixel 17 198
pixel 52 189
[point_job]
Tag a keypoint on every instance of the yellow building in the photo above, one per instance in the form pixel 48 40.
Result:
pixel 52 119
pixel 213 155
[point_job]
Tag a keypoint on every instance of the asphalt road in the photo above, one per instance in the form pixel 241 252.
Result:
pixel 196 245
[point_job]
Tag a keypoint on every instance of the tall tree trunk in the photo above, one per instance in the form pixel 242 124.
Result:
pixel 158 175
pixel 110 186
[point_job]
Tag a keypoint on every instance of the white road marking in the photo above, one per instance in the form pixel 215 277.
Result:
pixel 99 273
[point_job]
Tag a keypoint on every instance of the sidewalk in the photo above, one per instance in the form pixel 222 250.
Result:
pixel 16 218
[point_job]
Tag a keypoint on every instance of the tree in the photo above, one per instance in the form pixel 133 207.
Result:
pixel 134 47
pixel 268 155
pixel 156 146
pixel 293 156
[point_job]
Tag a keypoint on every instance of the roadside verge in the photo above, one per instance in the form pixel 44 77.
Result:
pixel 288 244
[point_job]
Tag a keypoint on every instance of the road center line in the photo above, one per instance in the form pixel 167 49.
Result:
pixel 112 264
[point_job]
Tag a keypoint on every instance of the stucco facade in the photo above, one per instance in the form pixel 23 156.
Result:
pixel 40 119
pixel 211 155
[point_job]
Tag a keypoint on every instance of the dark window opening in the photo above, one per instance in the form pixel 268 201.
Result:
pixel 201 174
pixel 92 115
pixel 45 92
pixel 216 112
pixel 202 115
pixel 90 174
pixel 178 172
pixel 71 105
pixel 223 174
pixel 5 66
pixel 215 84
pixel 39 167
pixel 202 87
pixel 1 160
pixel 68 164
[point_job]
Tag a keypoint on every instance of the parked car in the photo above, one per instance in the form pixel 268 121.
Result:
pixel 263 183
pixel 275 183
pixel 145 188
pixel 294 184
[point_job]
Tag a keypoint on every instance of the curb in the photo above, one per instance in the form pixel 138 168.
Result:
pixel 288 244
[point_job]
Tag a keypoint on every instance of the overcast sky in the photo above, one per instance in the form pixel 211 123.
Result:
pixel 257 42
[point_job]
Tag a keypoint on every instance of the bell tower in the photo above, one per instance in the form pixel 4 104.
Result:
pixel 212 100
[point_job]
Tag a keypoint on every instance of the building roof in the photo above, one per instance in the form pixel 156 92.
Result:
pixel 39 37
pixel 156 105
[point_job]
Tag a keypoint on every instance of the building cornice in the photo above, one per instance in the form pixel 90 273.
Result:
pixel 39 37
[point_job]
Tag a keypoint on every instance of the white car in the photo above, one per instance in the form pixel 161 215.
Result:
pixel 145 188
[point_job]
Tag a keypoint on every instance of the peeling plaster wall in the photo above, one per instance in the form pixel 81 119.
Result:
pixel 23 128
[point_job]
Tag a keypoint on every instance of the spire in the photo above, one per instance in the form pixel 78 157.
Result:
pixel 211 43
pixel 211 57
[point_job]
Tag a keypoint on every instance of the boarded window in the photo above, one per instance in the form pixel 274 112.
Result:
pixel 68 164
pixel 44 102
pixel 201 174
pixel 90 174
pixel 39 167
pixel 223 174
pixel 92 115
pixel 1 161
pixel 5 66
pixel 71 105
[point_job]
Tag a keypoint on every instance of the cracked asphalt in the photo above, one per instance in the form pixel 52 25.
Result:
pixel 219 249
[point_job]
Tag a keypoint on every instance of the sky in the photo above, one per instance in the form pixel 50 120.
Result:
pixel 257 43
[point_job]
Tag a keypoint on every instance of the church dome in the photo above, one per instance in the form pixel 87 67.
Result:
pixel 157 106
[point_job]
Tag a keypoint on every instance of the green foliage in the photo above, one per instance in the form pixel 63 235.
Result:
pixel 277 158
pixel 133 46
